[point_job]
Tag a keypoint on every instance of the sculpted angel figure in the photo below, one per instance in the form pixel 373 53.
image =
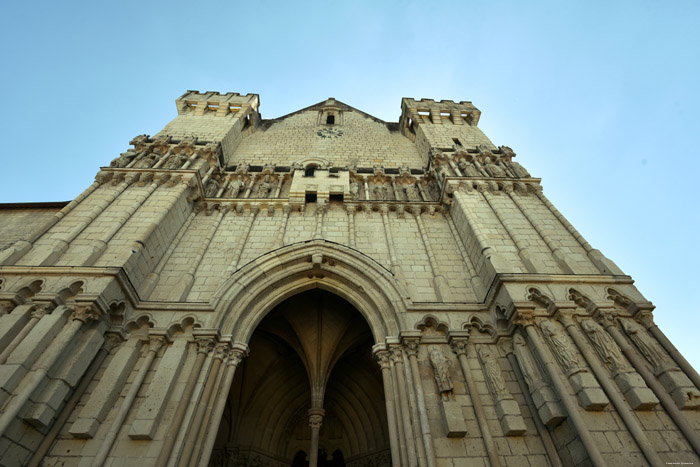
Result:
pixel 646 345
pixel 234 188
pixel 354 190
pixel 492 372
pixel 493 169
pixel 529 367
pixel 123 160
pixel 468 169
pixel 604 345
pixel 175 161
pixel 442 372
pixel 148 161
pixel 412 192
pixel 380 192
pixel 561 347
pixel 264 188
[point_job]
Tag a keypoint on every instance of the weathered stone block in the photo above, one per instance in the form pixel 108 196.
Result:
pixel 590 395
pixel 455 425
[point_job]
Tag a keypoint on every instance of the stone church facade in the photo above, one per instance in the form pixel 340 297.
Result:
pixel 326 288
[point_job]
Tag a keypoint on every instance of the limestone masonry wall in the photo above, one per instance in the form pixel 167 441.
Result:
pixel 152 320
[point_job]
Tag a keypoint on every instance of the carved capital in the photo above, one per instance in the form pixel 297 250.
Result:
pixel 606 317
pixel 39 310
pixel 383 357
pixel 396 355
pixel 163 178
pixel 645 318
pixel 131 178
pixel 5 307
pixel 103 177
pixel 411 346
pixel 350 208
pixel 204 344
pixel 112 341
pixel 85 312
pixel 221 350
pixel 384 209
pixel 459 346
pixel 155 343
pixel 565 317
pixel 254 209
pixel 524 318
pixel 235 356
pixel 315 421
pixel 287 209
pixel 145 179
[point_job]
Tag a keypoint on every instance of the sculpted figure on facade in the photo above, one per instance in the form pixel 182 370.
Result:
pixel 175 161
pixel 468 169
pixel 380 192
pixel 211 188
pixel 530 369
pixel 124 159
pixel 264 188
pixel 441 370
pixel 494 169
pixel 492 371
pixel 518 169
pixel 561 347
pixel 604 345
pixel 234 188
pixel 148 161
pixel 412 193
pixel 354 191
pixel 646 345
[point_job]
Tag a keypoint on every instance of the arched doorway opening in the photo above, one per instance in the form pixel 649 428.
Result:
pixel 308 385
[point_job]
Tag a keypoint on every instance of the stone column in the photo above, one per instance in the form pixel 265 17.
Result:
pixel 384 359
pixel 403 408
pixel 197 428
pixel 184 285
pixel 524 382
pixel 286 209
pixel 666 401
pixel 604 265
pixel 474 279
pixel 20 247
pixel 647 320
pixel 82 314
pixel 395 268
pixel 111 341
pixel 240 244
pixel 412 345
pixel 34 316
pixel 442 289
pixel 526 321
pixel 88 258
pixel 351 209
pixel 622 408
pixel 204 346
pixel 520 244
pixel 557 253
pixel 459 346
pixel 151 281
pixel 154 345
pixel 315 422
pixel 236 355
pixel 321 209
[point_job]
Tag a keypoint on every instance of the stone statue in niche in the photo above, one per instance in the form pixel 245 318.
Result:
pixel 441 371
pixel 518 169
pixel 561 347
pixel 493 169
pixel 354 190
pixel 149 160
pixel 264 188
pixel 211 188
pixel 412 193
pixel 529 367
pixel 604 345
pixel 234 188
pixel 468 169
pixel 175 161
pixel 646 345
pixel 380 192
pixel 123 160
pixel 492 372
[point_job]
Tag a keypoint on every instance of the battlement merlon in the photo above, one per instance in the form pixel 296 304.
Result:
pixel 430 111
pixel 216 103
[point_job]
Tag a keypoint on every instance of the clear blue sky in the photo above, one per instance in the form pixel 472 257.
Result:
pixel 600 99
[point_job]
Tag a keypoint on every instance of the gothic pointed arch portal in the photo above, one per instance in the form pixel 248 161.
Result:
pixel 309 385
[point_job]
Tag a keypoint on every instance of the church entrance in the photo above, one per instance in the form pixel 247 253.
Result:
pixel 309 393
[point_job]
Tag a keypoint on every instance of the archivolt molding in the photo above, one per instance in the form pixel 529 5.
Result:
pixel 250 293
